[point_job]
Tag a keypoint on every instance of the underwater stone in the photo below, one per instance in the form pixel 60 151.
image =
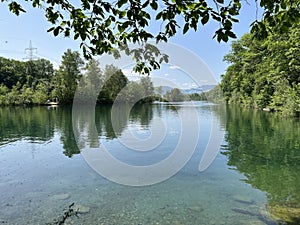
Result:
pixel 196 208
pixel 81 209
pixel 243 199
pixel 69 221
pixel 61 196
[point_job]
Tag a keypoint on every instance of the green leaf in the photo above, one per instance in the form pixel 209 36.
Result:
pixel 205 19
pixel 234 20
pixel 228 24
pixel 16 8
pixel 76 36
pixel 106 6
pixel 154 5
pixel 56 31
pixel 230 34
pixel 122 14
pixel 121 3
pixel 145 4
pixel 217 18
pixel 121 28
pixel 50 29
pixel 159 15
pixel 186 28
pixel 67 32
pixel 219 38
pixel 224 37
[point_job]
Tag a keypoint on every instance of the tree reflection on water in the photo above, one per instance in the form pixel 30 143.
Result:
pixel 265 148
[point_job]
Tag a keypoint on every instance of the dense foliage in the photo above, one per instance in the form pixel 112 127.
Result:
pixel 36 82
pixel 104 26
pixel 25 82
pixel 174 95
pixel 265 73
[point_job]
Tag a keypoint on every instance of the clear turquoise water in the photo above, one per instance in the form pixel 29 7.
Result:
pixel 257 166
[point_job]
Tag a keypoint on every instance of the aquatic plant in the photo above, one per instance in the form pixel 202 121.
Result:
pixel 70 211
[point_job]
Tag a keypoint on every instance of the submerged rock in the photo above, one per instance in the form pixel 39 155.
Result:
pixel 196 208
pixel 61 196
pixel 243 199
pixel 68 221
pixel 177 222
pixel 81 209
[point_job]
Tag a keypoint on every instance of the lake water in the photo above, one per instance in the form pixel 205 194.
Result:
pixel 254 178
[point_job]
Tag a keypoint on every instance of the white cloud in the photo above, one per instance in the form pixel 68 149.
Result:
pixel 187 85
pixel 173 67
pixel 130 73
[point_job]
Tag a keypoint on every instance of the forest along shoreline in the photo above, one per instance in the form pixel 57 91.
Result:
pixel 262 74
pixel 265 73
pixel 36 82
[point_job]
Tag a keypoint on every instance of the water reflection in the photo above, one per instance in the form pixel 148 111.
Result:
pixel 39 124
pixel 36 124
pixel 265 148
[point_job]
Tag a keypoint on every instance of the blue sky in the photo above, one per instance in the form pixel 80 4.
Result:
pixel 17 31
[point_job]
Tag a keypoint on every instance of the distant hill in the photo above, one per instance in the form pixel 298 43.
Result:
pixel 207 88
pixel 192 90
pixel 198 90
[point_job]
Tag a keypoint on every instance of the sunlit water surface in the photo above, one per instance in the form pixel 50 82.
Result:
pixel 254 178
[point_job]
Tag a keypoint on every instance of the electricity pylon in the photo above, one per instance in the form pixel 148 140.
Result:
pixel 30 52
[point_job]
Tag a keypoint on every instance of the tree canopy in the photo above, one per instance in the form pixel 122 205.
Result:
pixel 36 82
pixel 265 74
pixel 104 26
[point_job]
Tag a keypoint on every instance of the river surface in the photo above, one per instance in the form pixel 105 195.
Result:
pixel 251 178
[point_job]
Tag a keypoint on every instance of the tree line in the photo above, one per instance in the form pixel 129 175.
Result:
pixel 176 95
pixel 265 73
pixel 36 82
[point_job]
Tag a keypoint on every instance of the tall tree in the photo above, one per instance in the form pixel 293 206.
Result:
pixel 68 76
pixel 11 72
pixel 115 81
pixel 147 86
pixel 94 75
pixel 174 95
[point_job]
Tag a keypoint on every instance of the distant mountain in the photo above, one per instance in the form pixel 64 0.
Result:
pixel 207 88
pixel 192 91
pixel 198 90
